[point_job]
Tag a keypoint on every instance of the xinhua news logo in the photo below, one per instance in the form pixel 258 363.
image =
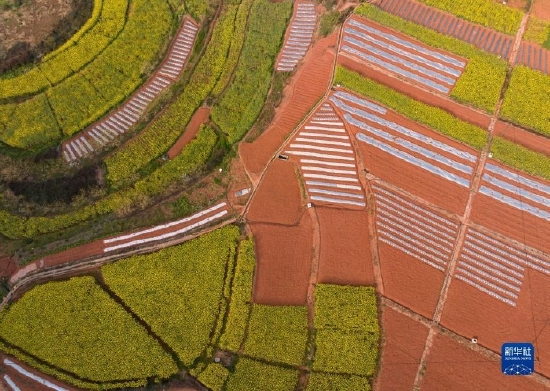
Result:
pixel 518 358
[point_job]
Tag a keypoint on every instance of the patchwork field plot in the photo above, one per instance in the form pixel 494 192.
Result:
pixel 414 230
pixel 395 146
pixel 515 204
pixel 167 230
pixel 126 116
pixel 299 36
pixel 415 245
pixel 534 56
pixel 401 56
pixel 496 265
pixel 489 40
pixel 327 160
pixel 344 260
pixel 402 347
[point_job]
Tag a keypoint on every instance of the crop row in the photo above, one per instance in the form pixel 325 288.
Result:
pixel 165 179
pixel 177 290
pixel 170 124
pixel 346 321
pixel 430 116
pixel 74 98
pixel 522 158
pixel 527 101
pixel 76 327
pixel 480 83
pixel 108 19
pixel 247 93
pixel 239 306
pixel 487 13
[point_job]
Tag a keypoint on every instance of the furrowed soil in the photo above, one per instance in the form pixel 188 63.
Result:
pixel 402 347
pixel 345 256
pixel 452 366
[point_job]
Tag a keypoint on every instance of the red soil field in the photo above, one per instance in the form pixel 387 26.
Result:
pixel 200 117
pixel 283 263
pixel 470 312
pixel 409 281
pixel 463 112
pixel 541 9
pixel 25 383
pixel 416 181
pixel 345 254
pixel 511 222
pixel 402 347
pixel 452 366
pixel 308 85
pixel 277 199
pixel 520 136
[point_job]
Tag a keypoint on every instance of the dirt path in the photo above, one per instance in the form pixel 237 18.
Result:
pixel 200 117
pixel 474 188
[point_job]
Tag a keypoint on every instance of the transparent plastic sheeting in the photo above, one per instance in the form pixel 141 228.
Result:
pixel 523 193
pixel 404 131
pixel 410 146
pixel 414 160
pixel 395 49
pixel 410 45
pixel 407 64
pixel 395 69
pixel 518 178
pixel 515 203
pixel 360 102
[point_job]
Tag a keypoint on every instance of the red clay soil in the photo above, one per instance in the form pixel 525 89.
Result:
pixel 472 313
pixel 283 263
pixel 520 136
pixel 408 281
pixel 541 9
pixel 463 112
pixel 25 383
pixel 308 85
pixel 200 117
pixel 415 180
pixel 238 181
pixel 511 222
pixel 345 255
pixel 278 198
pixel 402 347
pixel 452 366
pixel 8 266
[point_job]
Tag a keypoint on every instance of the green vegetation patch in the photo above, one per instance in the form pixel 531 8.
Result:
pixel 538 31
pixel 253 375
pixel 244 99
pixel 430 116
pixel 177 290
pixel 481 82
pixel 347 330
pixel 487 13
pixel 214 376
pixel 527 100
pixel 522 158
pixel 277 334
pixel 239 306
pixel 77 327
pixel 334 382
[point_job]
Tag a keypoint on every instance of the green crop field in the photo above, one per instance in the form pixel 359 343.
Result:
pixel 482 80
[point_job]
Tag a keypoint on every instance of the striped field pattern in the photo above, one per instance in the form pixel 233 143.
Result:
pixel 168 230
pixel 125 117
pixel 436 157
pixel 516 190
pixel 401 56
pixel 299 37
pixel 327 160
pixel 495 266
pixel 413 229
